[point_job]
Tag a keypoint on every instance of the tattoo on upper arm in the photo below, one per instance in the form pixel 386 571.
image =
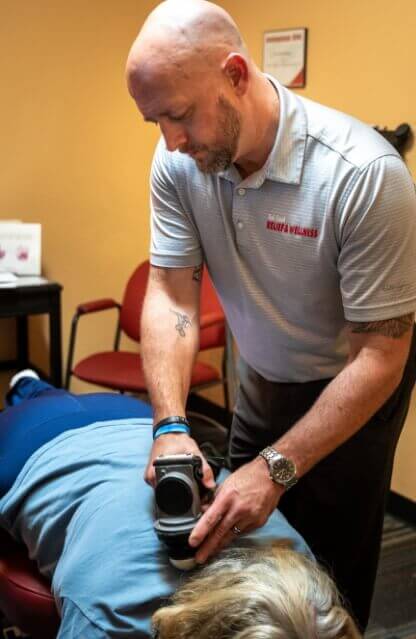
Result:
pixel 182 322
pixel 197 274
pixel 395 327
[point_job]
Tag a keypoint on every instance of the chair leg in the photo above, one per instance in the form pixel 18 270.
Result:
pixel 71 349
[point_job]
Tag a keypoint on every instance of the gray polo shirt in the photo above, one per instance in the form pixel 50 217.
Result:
pixel 324 232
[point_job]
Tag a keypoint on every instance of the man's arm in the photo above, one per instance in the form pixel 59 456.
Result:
pixel 169 344
pixel 378 354
pixel 170 336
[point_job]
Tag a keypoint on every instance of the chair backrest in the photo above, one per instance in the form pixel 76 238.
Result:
pixel 131 309
pixel 212 336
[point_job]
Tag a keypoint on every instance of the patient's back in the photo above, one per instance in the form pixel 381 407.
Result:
pixel 81 506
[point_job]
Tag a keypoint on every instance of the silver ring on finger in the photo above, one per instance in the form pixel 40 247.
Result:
pixel 236 530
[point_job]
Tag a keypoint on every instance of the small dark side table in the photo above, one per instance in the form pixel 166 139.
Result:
pixel 34 299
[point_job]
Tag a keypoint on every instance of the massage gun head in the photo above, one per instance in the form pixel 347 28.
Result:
pixel 178 504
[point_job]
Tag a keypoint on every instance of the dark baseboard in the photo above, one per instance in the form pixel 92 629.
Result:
pixel 402 507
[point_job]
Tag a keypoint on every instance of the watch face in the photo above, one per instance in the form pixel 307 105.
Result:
pixel 283 469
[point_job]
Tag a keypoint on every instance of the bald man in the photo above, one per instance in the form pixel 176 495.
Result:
pixel 306 221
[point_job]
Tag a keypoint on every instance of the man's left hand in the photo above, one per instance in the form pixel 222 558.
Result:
pixel 242 503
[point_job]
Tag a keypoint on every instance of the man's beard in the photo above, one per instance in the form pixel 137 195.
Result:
pixel 220 157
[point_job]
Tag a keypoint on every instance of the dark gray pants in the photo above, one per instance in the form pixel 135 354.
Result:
pixel 339 505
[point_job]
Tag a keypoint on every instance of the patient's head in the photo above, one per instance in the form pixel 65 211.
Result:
pixel 257 594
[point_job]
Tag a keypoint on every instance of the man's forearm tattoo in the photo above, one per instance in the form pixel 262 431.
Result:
pixel 182 323
pixel 395 327
pixel 197 274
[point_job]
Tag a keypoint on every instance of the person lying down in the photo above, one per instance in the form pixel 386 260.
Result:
pixel 72 491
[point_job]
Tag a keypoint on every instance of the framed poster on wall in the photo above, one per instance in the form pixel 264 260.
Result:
pixel 284 56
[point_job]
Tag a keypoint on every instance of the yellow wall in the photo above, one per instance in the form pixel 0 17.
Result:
pixel 75 156
pixel 361 53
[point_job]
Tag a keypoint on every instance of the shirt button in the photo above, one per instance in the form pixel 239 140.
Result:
pixel 241 191
pixel 240 225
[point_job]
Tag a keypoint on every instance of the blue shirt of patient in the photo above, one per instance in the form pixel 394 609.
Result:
pixel 82 508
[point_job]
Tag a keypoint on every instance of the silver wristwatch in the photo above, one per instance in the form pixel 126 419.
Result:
pixel 282 470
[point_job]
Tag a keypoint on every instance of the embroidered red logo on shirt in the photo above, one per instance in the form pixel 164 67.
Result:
pixel 279 225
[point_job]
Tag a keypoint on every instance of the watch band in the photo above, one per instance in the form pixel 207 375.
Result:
pixel 269 454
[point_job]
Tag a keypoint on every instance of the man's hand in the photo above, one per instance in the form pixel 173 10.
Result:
pixel 245 500
pixel 175 444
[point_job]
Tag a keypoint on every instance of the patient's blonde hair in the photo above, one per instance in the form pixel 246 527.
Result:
pixel 273 593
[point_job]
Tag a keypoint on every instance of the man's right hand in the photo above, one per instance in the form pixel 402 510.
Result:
pixel 176 444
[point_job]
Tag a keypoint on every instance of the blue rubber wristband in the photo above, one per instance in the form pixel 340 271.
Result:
pixel 171 428
pixel 173 419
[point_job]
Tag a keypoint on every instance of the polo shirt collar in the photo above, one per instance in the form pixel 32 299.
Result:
pixel 285 160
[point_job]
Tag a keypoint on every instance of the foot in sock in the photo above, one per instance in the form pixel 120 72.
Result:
pixel 25 385
pixel 27 372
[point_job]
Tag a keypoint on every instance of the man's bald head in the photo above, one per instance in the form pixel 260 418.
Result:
pixel 189 72
pixel 181 36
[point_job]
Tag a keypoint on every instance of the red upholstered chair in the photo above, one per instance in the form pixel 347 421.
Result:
pixel 25 597
pixel 122 370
